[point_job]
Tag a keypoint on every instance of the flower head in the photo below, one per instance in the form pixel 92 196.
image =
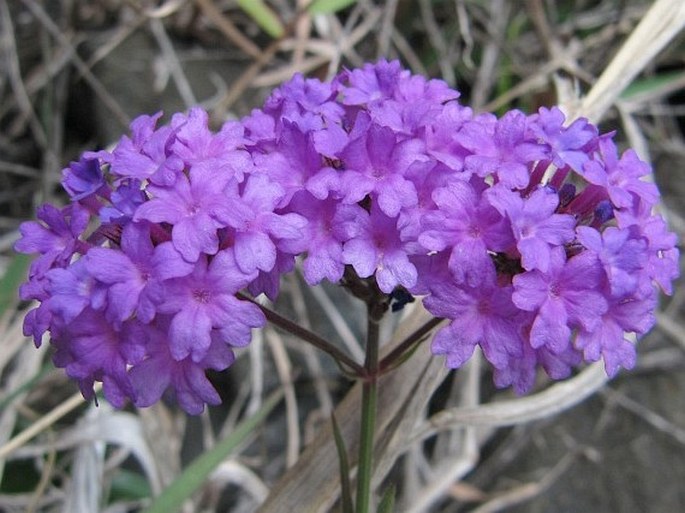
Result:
pixel 532 236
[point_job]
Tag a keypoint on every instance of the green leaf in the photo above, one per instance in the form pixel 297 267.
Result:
pixel 263 16
pixel 345 487
pixel 387 504
pixel 15 274
pixel 128 485
pixel 192 478
pixel 648 85
pixel 328 6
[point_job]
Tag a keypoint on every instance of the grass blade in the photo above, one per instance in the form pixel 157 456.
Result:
pixel 172 498
pixel 328 6
pixel 345 487
pixel 387 504
pixel 661 83
pixel 14 275
pixel 263 16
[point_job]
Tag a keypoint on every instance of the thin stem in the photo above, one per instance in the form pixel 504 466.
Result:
pixel 368 420
pixel 387 363
pixel 308 336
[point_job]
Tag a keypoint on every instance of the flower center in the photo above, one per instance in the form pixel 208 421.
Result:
pixel 484 306
pixel 555 290
pixel 202 296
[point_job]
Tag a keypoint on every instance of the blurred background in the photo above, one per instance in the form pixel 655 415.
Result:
pixel 73 73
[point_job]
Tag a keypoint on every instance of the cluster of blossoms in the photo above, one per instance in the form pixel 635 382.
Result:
pixel 532 237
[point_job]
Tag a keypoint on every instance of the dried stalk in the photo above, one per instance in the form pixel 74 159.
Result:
pixel 662 23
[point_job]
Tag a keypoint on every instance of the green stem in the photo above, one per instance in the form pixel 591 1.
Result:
pixel 368 420
pixel 308 336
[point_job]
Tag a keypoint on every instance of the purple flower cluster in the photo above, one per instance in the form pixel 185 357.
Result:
pixel 533 237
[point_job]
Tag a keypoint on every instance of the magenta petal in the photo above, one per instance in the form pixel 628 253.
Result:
pixel 254 250
pixel 326 263
pixel 396 270
pixel 455 348
pixel 192 236
pixel 150 379
pixel 110 266
pixel 160 210
pixel 550 328
pixel 361 255
pixel 167 262
pixel 123 300
pixel 193 390
pixel 530 290
pixel 189 333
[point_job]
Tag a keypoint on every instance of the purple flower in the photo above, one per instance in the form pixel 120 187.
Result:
pixel 372 83
pixel 37 322
pixel 84 177
pixel 503 152
pixel 125 200
pixel 377 248
pixel 71 290
pixel 567 144
pixel 376 163
pixel 135 273
pixel 563 298
pixel 537 229
pixel 260 230
pixel 197 206
pixel 295 164
pixel 534 239
pixel 308 103
pixel 662 265
pixel 608 340
pixel 621 177
pixel 469 227
pixel 194 142
pixel 327 228
pixel 269 283
pixel 205 300
pixel 160 371
pixel 145 154
pixel 620 256
pixel 260 129
pixel 91 350
pixel 414 105
pixel 58 240
pixel 442 136
pixel 519 372
pixel 483 315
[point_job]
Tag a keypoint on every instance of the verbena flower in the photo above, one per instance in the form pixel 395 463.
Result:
pixel 375 248
pixel 531 235
pixel 203 303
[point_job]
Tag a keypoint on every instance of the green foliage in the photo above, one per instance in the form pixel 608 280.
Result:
pixel 263 16
pixel 19 476
pixel 328 6
pixel 15 274
pixel 192 478
pixel 387 504
pixel 653 84
pixel 128 485
pixel 345 487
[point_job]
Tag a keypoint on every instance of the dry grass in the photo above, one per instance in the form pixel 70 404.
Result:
pixel 72 75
